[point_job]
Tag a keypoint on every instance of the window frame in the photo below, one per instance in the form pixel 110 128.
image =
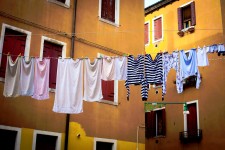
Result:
pixel 117 13
pixel 156 123
pixel 63 44
pixel 58 142
pixel 148 22
pixel 18 136
pixel 153 29
pixel 105 140
pixel 182 6
pixel 197 112
pixel 66 4
pixel 115 102
pixel 27 45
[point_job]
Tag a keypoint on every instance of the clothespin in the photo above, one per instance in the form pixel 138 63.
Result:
pixel 19 55
pixel 8 53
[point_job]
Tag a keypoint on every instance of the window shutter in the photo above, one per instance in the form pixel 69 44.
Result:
pixel 146 33
pixel 193 16
pixel 164 121
pixel 108 90
pixel 54 51
pixel 155 30
pixel 14 42
pixel 180 20
pixel 158 28
pixel 150 124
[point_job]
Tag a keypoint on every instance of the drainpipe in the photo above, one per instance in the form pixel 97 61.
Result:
pixel 138 127
pixel 71 55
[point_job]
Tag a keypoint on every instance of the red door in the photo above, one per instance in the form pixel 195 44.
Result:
pixel 108 90
pixel 192 120
pixel 53 51
pixel 14 43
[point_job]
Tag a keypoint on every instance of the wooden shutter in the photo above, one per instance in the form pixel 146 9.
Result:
pixel 158 29
pixel 150 124
pixel 163 122
pixel 54 51
pixel 193 16
pixel 180 19
pixel 108 10
pixel 108 90
pixel 192 119
pixel 146 33
pixel 14 42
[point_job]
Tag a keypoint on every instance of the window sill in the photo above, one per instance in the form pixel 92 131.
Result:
pixel 59 3
pixel 156 41
pixel 159 136
pixel 51 90
pixel 188 29
pixel 108 102
pixel 109 22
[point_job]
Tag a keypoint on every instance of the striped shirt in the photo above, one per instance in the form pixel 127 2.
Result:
pixel 135 72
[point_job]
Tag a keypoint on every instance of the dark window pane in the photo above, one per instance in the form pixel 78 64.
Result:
pixel 104 146
pixel 63 1
pixel 7 139
pixel 46 142
pixel 108 10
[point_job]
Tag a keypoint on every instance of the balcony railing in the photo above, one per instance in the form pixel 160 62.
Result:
pixel 191 136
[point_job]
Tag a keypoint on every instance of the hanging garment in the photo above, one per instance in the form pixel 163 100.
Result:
pixel 171 61
pixel 135 72
pixel 92 80
pixel 153 73
pixel 212 48
pixel 202 57
pixel 41 79
pixel 69 87
pixel 27 77
pixel 221 49
pixel 188 67
pixel 108 68
pixel 12 77
pixel 120 68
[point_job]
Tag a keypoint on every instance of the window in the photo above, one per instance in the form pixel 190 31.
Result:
pixel 10 137
pixel 64 3
pixel 104 144
pixel 157 29
pixel 109 90
pixel 147 37
pixel 109 11
pixel 15 41
pixel 155 123
pixel 186 16
pixel 191 121
pixel 43 140
pixel 53 49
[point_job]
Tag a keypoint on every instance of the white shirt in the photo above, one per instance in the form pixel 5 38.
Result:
pixel 121 68
pixel 69 87
pixel 92 80
pixel 202 57
pixel 108 69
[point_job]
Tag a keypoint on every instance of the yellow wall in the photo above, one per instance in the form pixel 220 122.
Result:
pixel 209 27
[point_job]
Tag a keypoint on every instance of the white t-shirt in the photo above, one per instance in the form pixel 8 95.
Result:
pixel 69 87
pixel 27 77
pixel 12 77
pixel 202 57
pixel 108 69
pixel 92 80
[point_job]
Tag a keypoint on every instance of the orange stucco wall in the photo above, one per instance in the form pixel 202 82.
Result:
pixel 209 30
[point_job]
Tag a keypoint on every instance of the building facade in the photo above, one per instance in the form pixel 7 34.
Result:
pixel 171 26
pixel 76 29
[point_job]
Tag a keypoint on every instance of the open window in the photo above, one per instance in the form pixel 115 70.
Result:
pixel 53 49
pixel 10 137
pixel 155 123
pixel 14 41
pixel 109 11
pixel 43 140
pixel 105 144
pixel 186 16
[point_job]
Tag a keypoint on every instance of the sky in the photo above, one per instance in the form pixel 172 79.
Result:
pixel 150 2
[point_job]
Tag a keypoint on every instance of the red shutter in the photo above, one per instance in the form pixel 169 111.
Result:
pixel 54 51
pixel 164 122
pixel 180 19
pixel 192 119
pixel 14 42
pixel 193 16
pixel 158 28
pixel 108 10
pixel 108 90
pixel 146 33
pixel 150 124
